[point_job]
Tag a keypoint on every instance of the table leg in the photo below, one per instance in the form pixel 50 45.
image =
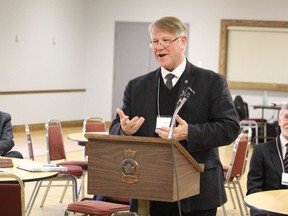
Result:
pixel 262 113
pixel 143 207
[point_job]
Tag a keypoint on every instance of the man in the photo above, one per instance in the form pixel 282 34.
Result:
pixel 267 162
pixel 6 137
pixel 206 121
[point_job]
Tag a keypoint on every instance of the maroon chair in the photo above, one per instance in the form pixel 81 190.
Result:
pixel 12 196
pixel 92 124
pixel 74 168
pixel 31 157
pixel 29 142
pixel 236 168
pixel 99 208
pixel 56 153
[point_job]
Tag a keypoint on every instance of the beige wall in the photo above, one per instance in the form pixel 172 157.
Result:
pixel 83 54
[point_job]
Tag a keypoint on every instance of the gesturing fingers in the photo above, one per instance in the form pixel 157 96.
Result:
pixel 128 126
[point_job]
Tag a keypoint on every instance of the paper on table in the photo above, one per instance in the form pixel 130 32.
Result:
pixel 33 167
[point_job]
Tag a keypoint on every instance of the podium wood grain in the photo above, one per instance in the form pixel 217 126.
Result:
pixel 161 178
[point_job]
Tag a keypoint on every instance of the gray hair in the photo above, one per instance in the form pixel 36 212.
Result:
pixel 284 107
pixel 170 24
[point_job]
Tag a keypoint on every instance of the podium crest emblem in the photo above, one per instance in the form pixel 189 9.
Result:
pixel 129 167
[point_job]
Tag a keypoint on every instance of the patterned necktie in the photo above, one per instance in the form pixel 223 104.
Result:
pixel 286 159
pixel 169 78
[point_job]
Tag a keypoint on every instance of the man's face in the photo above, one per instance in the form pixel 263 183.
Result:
pixel 283 123
pixel 172 55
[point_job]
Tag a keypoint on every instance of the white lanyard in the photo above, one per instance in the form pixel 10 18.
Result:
pixel 158 93
pixel 280 155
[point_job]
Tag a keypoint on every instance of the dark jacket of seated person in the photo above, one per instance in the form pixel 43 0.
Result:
pixel 6 137
pixel 267 162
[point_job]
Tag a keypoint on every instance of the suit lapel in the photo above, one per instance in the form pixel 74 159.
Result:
pixel 275 156
pixel 186 80
pixel 151 94
pixel 150 102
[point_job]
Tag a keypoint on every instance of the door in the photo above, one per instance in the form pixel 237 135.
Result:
pixel 132 57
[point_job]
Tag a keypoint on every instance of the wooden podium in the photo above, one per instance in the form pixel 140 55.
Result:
pixel 143 168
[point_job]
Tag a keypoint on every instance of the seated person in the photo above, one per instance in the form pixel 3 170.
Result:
pixel 267 162
pixel 6 137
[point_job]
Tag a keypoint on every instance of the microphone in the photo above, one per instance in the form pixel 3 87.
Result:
pixel 183 98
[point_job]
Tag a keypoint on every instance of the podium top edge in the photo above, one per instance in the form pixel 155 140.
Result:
pixel 91 135
pixel 94 136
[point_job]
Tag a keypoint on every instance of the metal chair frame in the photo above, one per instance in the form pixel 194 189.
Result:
pixel 112 206
pixel 92 124
pixel 255 125
pixel 11 203
pixel 29 142
pixel 237 168
pixel 246 121
pixel 61 177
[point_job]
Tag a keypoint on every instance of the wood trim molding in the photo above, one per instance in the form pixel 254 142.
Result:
pixel 41 126
pixel 223 53
pixel 42 91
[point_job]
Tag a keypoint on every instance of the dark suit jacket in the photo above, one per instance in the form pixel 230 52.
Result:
pixel 211 118
pixel 6 135
pixel 265 170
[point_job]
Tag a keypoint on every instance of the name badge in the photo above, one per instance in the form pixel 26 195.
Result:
pixel 163 121
pixel 284 178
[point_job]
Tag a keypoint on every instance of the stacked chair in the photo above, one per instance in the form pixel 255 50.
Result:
pixel 258 124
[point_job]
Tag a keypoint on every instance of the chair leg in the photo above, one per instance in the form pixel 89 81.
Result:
pixel 66 213
pixel 242 196
pixel 33 197
pixel 238 199
pixel 82 185
pixel 224 210
pixel 74 189
pixel 74 186
pixel 231 195
pixel 64 191
pixel 45 194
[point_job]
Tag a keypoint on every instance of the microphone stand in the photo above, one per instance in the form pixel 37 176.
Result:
pixel 183 98
pixel 179 105
pixel 173 121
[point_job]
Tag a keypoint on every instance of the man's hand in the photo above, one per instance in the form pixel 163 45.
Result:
pixel 129 127
pixel 180 132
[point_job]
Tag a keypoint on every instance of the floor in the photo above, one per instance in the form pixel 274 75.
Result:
pixel 52 205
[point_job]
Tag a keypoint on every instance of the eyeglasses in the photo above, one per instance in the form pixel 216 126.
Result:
pixel 164 43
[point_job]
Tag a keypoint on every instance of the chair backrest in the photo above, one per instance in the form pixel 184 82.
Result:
pixel 54 140
pixel 12 196
pixel 29 142
pixel 248 134
pixel 241 107
pixel 94 124
pixel 240 155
